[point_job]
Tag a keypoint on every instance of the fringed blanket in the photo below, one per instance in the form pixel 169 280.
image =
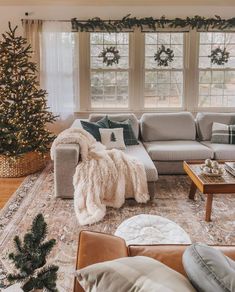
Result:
pixel 102 177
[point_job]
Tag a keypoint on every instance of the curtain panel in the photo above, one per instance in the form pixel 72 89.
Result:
pixel 58 70
pixel 32 32
pixel 53 46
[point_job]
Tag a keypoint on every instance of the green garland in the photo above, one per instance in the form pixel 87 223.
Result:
pixel 128 23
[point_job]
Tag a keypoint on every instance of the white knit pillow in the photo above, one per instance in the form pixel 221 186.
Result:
pixel 112 138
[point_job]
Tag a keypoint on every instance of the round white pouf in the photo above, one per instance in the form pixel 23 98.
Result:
pixel 151 229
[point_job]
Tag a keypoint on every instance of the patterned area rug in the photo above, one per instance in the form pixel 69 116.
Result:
pixel 35 195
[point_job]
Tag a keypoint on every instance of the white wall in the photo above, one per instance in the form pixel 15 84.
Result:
pixel 16 13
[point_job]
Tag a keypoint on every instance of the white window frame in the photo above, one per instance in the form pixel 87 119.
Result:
pixel 185 65
pixel 137 75
pixel 210 109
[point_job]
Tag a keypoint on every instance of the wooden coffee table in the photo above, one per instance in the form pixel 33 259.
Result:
pixel 208 185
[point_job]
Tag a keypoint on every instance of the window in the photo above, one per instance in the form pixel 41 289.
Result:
pixel 164 85
pixel 109 84
pixel 216 82
pixel 75 76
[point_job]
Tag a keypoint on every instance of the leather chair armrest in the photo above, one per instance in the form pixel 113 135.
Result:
pixel 95 247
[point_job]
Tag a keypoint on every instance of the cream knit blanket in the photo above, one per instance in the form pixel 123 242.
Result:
pixel 102 177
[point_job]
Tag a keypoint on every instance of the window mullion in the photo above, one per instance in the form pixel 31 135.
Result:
pixel 84 68
pixel 136 75
pixel 191 71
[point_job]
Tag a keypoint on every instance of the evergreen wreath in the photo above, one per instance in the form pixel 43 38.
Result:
pixel 219 56
pixel 110 56
pixel 164 56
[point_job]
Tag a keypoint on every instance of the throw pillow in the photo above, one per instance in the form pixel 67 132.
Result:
pixel 93 128
pixel 129 136
pixel 132 274
pixel 209 269
pixel 112 138
pixel 223 134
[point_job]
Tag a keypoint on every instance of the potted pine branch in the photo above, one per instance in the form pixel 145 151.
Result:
pixel 30 260
pixel 24 139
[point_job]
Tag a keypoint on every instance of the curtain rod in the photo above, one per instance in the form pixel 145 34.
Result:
pixel 59 20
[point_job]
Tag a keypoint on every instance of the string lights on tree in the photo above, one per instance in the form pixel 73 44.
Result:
pixel 23 108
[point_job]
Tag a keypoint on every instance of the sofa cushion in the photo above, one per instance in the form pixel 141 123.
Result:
pixel 119 118
pixel 221 151
pixel 139 152
pixel 177 150
pixel 168 126
pixel 204 122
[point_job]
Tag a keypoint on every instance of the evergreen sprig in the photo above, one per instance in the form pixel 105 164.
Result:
pixel 129 23
pixel 30 259
pixel 23 107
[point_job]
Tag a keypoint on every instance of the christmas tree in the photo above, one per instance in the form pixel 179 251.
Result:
pixel 23 109
pixel 30 259
pixel 112 137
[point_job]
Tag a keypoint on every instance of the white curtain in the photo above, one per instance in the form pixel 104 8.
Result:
pixel 57 70
pixel 32 31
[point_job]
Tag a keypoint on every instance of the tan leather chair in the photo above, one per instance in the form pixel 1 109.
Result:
pixel 95 247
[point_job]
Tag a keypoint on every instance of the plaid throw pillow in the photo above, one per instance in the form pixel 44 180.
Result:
pixel 223 134
pixel 137 273
pixel 129 136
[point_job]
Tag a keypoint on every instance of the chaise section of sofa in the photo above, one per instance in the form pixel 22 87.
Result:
pixel 67 158
pixel 137 151
pixel 170 138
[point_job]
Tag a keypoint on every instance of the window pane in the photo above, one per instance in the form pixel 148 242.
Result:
pixel 109 84
pixel 164 85
pixel 216 82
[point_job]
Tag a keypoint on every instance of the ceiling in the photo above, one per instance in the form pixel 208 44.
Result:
pixel 119 2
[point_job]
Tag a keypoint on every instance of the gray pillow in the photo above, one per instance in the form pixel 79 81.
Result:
pixel 208 269
pixel 132 274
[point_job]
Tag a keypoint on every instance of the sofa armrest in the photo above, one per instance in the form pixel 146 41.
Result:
pixel 95 247
pixel 65 162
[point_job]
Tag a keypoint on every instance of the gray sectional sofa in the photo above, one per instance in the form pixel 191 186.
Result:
pixel 165 141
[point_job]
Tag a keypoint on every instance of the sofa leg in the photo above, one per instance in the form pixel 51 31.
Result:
pixel 151 189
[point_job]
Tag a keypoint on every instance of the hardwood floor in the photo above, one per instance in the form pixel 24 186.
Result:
pixel 7 187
